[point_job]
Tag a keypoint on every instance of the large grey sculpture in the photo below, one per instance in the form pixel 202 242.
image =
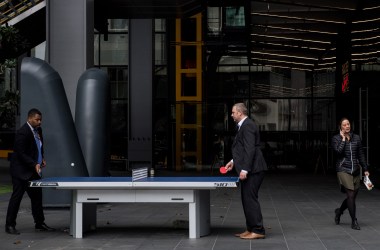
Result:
pixel 92 119
pixel 42 88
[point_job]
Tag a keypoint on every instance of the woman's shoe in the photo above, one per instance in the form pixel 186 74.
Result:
pixel 338 213
pixel 355 225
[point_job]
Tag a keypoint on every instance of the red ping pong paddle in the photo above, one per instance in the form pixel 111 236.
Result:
pixel 222 170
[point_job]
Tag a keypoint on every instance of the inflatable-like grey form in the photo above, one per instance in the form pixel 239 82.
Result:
pixel 92 111
pixel 42 88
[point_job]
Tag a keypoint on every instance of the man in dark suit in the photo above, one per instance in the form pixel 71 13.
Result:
pixel 250 165
pixel 26 164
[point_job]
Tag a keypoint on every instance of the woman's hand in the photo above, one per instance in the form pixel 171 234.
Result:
pixel 342 135
pixel 348 136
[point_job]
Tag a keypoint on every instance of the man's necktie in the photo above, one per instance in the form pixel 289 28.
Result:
pixel 39 144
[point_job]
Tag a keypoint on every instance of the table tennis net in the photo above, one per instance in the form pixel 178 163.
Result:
pixel 139 173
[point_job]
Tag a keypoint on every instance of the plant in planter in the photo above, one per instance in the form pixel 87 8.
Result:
pixel 9 63
pixel 12 45
pixel 9 95
pixel 8 75
pixel 9 105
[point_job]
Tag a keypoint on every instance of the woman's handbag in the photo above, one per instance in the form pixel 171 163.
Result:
pixel 367 182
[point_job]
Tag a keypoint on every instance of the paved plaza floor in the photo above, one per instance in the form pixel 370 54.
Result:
pixel 298 210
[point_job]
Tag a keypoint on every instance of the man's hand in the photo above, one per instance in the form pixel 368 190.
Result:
pixel 229 166
pixel 38 169
pixel 243 175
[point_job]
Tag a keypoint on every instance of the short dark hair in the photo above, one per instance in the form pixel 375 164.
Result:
pixel 32 112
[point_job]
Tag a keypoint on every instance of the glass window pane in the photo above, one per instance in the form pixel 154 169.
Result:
pixel 188 29
pixel 280 114
pixel 233 60
pixel 188 57
pixel 117 25
pixel 298 114
pixel 189 142
pixel 189 114
pixel 235 16
pixel 160 25
pixel 188 85
pixel 324 115
pixel 96 49
pixel 266 114
pixel 160 49
pixel 213 20
pixel 324 85
pixel 118 77
pixel 115 50
pixel 119 136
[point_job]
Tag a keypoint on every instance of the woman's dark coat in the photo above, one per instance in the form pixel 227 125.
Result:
pixel 350 156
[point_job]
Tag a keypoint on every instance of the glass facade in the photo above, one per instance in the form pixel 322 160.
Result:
pixel 235 16
pixel 111 55
pixel 289 106
pixel 192 98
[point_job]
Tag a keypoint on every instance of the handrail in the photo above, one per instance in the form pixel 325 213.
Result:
pixel 9 9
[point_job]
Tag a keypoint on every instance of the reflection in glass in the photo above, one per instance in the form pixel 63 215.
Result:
pixel 324 118
pixel 324 85
pixel 118 77
pixel 214 21
pixel 235 16
pixel 189 113
pixel 118 134
pixel 188 56
pixel 189 140
pixel 188 27
pixel 160 49
pixel 117 25
pixel 159 25
pixel 188 84
pixel 112 52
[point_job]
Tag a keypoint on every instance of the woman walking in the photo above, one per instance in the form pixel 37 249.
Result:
pixel 350 160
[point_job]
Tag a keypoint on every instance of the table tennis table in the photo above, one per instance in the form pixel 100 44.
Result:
pixel 192 190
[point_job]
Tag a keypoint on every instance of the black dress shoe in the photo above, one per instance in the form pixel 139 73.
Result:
pixel 11 230
pixel 338 213
pixel 43 227
pixel 355 225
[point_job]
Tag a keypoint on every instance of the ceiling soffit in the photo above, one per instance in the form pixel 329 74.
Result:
pixel 306 34
pixel 302 34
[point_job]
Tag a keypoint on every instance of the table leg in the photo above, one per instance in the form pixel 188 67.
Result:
pixel 199 214
pixel 76 215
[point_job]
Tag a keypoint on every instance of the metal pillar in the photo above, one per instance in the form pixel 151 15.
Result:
pixel 140 92
pixel 70 41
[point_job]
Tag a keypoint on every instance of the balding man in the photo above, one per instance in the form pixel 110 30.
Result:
pixel 250 165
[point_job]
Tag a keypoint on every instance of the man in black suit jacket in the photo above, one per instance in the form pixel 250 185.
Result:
pixel 26 164
pixel 250 165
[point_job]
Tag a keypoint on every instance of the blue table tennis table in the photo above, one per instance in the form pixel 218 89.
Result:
pixel 192 190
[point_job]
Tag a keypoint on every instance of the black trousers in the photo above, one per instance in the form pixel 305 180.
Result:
pixel 250 199
pixel 35 195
